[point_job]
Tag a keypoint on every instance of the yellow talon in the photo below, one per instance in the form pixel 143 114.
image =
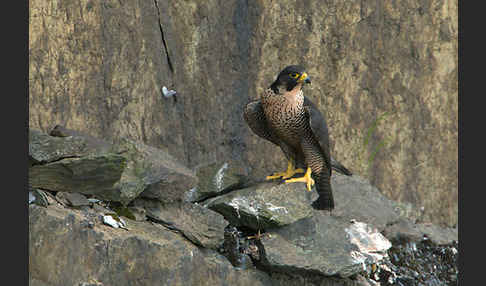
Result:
pixel 287 174
pixel 306 179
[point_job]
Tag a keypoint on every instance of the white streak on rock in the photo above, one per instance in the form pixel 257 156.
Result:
pixel 190 194
pixel 274 208
pixel 235 205
pixel 31 198
pixel 218 178
pixel 372 244
pixel 243 204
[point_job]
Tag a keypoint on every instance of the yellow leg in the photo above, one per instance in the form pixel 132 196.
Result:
pixel 287 174
pixel 306 179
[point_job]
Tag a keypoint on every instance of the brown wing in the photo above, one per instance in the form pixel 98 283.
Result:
pixel 256 120
pixel 319 129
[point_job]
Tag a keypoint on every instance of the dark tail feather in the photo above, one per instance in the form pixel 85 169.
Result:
pixel 338 167
pixel 325 201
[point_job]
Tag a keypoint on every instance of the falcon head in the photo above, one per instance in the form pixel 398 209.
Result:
pixel 290 77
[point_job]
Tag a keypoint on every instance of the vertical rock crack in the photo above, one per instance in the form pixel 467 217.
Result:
pixel 171 68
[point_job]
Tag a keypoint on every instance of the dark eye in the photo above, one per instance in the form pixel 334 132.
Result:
pixel 294 75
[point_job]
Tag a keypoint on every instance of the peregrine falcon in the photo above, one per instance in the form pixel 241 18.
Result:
pixel 285 117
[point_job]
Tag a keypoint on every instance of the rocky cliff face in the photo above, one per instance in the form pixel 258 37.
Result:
pixel 125 213
pixel 384 74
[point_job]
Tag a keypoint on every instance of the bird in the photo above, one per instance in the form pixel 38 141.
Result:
pixel 288 119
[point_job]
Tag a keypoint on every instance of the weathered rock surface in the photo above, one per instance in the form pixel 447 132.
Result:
pixel 323 244
pixel 165 178
pixel 92 175
pixel 439 235
pixel 319 248
pixel 200 225
pixel 119 172
pixel 273 204
pixel 38 197
pixel 74 199
pixel 264 205
pixel 44 148
pixel 217 178
pixel 279 233
pixel 63 250
pixel 72 247
pixel 300 239
pixel 235 247
pixel 404 231
pixel 220 178
pixel 356 198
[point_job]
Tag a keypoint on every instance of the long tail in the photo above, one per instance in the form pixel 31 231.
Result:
pixel 325 201
pixel 338 167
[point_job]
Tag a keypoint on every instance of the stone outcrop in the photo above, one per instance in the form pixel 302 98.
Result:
pixel 117 172
pixel 239 231
pixel 218 178
pixel 385 75
pixel 325 245
pixel 264 205
pixel 200 225
pixel 272 204
pixel 65 250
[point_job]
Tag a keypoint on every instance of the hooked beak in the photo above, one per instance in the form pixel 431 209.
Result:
pixel 304 78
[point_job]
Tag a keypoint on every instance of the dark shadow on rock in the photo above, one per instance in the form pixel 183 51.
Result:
pixel 200 225
pixel 118 171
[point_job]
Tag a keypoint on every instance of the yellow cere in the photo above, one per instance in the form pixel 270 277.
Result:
pixel 303 77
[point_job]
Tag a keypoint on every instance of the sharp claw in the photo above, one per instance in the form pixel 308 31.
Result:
pixel 305 179
pixel 310 183
pixel 289 173
pixel 276 176
pixel 273 177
